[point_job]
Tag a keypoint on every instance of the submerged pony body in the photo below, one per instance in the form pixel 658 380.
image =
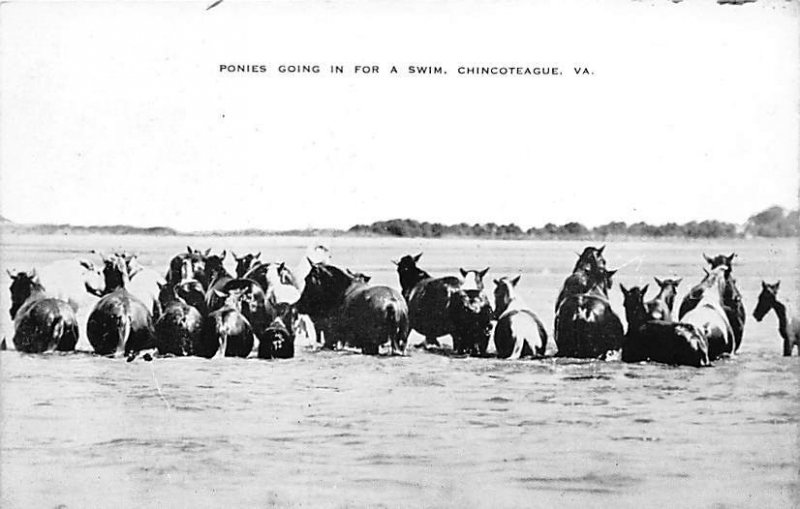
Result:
pixel 659 340
pixel 428 298
pixel 518 332
pixel 585 324
pixel 119 323
pixel 351 311
pixel 41 323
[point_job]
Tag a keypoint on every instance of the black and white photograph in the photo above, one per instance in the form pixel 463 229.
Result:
pixel 422 253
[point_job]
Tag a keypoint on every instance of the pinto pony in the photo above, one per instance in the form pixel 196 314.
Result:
pixel 708 315
pixel 585 324
pixel 519 332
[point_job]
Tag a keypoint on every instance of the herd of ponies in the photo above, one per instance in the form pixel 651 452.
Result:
pixel 199 308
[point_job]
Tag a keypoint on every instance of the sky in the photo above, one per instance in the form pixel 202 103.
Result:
pixel 116 113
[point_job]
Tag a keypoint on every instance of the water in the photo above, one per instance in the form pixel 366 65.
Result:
pixel 337 429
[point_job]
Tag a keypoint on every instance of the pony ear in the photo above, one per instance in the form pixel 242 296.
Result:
pixel 731 257
pixel 416 258
pixel 483 272
pixel 658 281
pixel 600 251
pixel 644 289
pixel 222 256
pixel 234 255
pixel 257 255
pixel 707 259
pixel 281 266
pixel 208 252
pixel 395 262
pixel 496 282
pixel 678 281
pixel 463 272
pixel 610 273
pixel 624 290
pixel 86 264
pixel 515 280
pixel 11 274
pixel 366 278
pixel 311 262
pixel 763 284
pixel 778 284
pixel 189 250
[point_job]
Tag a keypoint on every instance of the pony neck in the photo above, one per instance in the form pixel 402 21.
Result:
pixel 636 317
pixel 410 277
pixel 514 303
pixel 780 310
pixel 666 295
pixel 217 273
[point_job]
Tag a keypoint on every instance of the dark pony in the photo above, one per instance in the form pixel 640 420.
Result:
pixel 585 324
pixel 659 340
pixel 589 271
pixel 41 323
pixel 428 298
pixel 119 322
pixel 788 323
pixel 351 311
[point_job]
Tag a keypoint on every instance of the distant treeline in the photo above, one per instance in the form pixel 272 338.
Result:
pixel 64 229
pixel 772 222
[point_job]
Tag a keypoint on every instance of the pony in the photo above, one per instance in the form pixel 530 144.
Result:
pixel 277 340
pixel 660 308
pixel 731 297
pixel 188 265
pixel 518 332
pixel 119 322
pixel 351 311
pixel 41 323
pixel 428 299
pixel 227 332
pixel 788 322
pixel 471 315
pixel 144 283
pixel 657 340
pixel 585 324
pixel 216 274
pixel 245 263
pixel 473 279
pixel 708 315
pixel 179 329
pixel 589 270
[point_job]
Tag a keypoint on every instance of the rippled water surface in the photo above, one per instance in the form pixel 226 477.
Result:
pixel 336 429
